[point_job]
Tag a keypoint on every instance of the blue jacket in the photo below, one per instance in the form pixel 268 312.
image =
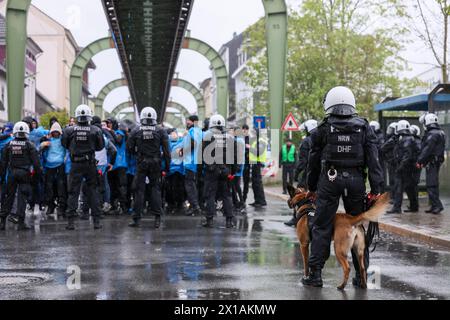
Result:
pixel 4 140
pixel 54 155
pixel 191 160
pixel 121 158
pixel 240 145
pixel 176 164
pixel 131 160
pixel 36 136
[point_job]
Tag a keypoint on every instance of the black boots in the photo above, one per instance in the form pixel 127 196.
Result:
pixel 2 224
pixel 314 279
pixel 229 223
pixel 208 223
pixel 157 222
pixel 292 222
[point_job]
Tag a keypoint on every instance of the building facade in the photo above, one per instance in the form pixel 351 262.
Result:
pixel 208 96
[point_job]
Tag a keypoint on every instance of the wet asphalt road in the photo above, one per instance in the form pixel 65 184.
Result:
pixel 259 259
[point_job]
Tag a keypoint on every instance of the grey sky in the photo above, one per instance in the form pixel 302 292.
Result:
pixel 213 21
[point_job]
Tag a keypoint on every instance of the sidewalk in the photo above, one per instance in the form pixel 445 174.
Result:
pixel 427 228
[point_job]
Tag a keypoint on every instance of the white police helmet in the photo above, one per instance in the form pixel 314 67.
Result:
pixel 415 130
pixel 309 125
pixel 83 113
pixel 422 118
pixel 375 125
pixel 430 118
pixel 148 115
pixel 392 128
pixel 21 130
pixel 403 126
pixel 217 121
pixel 340 101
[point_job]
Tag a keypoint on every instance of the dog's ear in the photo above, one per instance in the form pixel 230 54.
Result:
pixel 291 190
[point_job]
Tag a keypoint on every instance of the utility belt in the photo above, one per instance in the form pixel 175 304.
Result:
pixel 82 158
pixel 333 171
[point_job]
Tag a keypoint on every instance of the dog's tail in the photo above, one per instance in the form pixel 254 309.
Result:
pixel 372 215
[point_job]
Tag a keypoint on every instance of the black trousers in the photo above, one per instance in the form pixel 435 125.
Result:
pixel 410 179
pixel 288 174
pixel 246 181
pixel 190 184
pixel 352 190
pixel 175 195
pixel 118 184
pixel 257 184
pixel 391 168
pixel 87 172
pixel 217 183
pixel 18 182
pixel 56 186
pixel 130 190
pixel 238 198
pixel 432 170
pixel 153 172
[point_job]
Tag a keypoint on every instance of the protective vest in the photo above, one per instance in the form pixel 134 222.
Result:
pixel 215 152
pixel 262 153
pixel 82 143
pixel 149 142
pixel 288 156
pixel 344 147
pixel 20 154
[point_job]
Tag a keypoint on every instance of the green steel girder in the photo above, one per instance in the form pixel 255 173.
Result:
pixel 105 91
pixel 220 71
pixel 80 64
pixel 182 109
pixel 276 37
pixel 172 119
pixel 120 107
pixel 16 42
pixel 201 109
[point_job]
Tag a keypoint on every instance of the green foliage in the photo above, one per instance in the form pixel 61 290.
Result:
pixel 335 42
pixel 62 117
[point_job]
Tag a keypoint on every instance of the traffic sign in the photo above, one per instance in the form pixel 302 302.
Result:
pixel 290 124
pixel 259 122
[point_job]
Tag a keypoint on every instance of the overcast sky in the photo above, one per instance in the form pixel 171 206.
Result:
pixel 213 21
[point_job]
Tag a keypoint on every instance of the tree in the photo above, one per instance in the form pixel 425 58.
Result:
pixel 336 42
pixel 434 30
pixel 62 117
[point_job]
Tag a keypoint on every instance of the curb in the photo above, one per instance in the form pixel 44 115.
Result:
pixel 393 229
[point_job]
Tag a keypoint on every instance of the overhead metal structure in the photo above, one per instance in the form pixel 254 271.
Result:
pixel 80 64
pixel 175 119
pixel 220 71
pixel 192 89
pixel 120 107
pixel 105 91
pixel 148 35
pixel 16 41
pixel 182 109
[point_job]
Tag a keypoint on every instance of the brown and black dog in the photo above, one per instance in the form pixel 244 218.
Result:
pixel 348 230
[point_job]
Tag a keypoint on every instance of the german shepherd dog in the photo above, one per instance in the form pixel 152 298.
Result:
pixel 348 231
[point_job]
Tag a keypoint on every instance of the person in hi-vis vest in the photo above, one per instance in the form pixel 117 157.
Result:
pixel 287 161
pixel 258 158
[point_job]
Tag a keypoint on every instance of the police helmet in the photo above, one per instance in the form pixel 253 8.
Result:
pixel 83 113
pixel 375 125
pixel 403 126
pixel 148 116
pixel 422 118
pixel 430 119
pixel 392 128
pixel 217 121
pixel 415 130
pixel 21 130
pixel 309 125
pixel 340 101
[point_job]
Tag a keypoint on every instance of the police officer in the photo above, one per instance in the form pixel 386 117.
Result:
pixel 387 151
pixel 302 163
pixel 258 157
pixel 146 143
pixel 83 140
pixel 376 127
pixel 406 157
pixel 20 161
pixel 415 179
pixel 218 149
pixel 432 157
pixel 343 146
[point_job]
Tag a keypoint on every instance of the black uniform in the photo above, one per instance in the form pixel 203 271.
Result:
pixel 432 157
pixel 387 151
pixel 380 142
pixel 19 159
pixel 82 141
pixel 302 163
pixel 218 146
pixel 406 157
pixel 146 142
pixel 346 144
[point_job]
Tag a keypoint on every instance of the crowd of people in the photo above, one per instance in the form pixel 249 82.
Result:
pixel 96 167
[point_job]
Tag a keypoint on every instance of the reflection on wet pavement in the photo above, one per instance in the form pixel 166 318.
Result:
pixel 259 259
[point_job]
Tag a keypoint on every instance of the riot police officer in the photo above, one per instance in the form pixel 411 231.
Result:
pixel 146 143
pixel 83 140
pixel 218 147
pixel 415 179
pixel 406 157
pixel 387 151
pixel 20 162
pixel 432 157
pixel 343 146
pixel 302 163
